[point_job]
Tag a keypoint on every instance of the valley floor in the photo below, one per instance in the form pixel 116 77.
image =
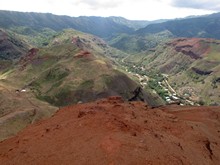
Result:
pixel 170 95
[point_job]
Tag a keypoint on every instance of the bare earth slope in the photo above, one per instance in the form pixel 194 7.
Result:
pixel 111 131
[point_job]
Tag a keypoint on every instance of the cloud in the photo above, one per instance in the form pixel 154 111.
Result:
pixel 97 4
pixel 197 4
pixel 131 9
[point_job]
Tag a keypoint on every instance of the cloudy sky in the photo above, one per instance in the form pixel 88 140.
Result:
pixel 130 9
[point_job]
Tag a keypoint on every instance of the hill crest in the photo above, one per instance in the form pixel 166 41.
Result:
pixel 111 131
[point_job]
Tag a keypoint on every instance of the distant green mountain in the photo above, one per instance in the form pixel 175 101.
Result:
pixel 207 26
pixel 119 32
pixel 135 24
pixel 38 29
pixel 99 26
pixel 133 44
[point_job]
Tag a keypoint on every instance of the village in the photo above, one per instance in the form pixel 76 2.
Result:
pixel 160 85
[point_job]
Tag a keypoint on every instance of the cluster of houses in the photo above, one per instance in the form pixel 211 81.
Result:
pixel 172 97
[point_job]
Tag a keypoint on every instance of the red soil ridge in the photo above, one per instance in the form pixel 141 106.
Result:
pixel 83 54
pixel 28 58
pixel 77 41
pixel 193 47
pixel 111 131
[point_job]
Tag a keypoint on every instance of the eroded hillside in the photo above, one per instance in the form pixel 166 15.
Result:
pixel 191 65
pixel 73 68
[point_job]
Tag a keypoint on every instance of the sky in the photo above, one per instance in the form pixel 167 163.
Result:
pixel 130 9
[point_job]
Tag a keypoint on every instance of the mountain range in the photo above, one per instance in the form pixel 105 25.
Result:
pixel 127 35
pixel 202 27
pixel 99 26
pixel 153 34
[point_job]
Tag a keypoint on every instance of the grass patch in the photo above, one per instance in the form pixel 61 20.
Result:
pixel 56 74
pixel 107 79
pixel 195 77
pixel 88 84
pixel 153 84
pixel 214 55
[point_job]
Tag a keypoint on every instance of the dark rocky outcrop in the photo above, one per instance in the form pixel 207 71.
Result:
pixel 201 72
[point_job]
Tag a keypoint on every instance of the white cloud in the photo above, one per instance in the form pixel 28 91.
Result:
pixel 197 4
pixel 131 9
pixel 97 4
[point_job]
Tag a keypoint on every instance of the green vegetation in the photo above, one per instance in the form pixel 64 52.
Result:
pixel 204 26
pixel 31 23
pixel 136 43
pixel 106 78
pixel 55 74
pixel 72 67
pixel 38 37
pixel 215 80
pixel 195 77
pixel 88 84
pixel 12 46
pixel 153 84
pixel 183 72
pixel 214 54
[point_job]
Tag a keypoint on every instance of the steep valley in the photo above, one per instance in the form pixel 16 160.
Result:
pixel 191 65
